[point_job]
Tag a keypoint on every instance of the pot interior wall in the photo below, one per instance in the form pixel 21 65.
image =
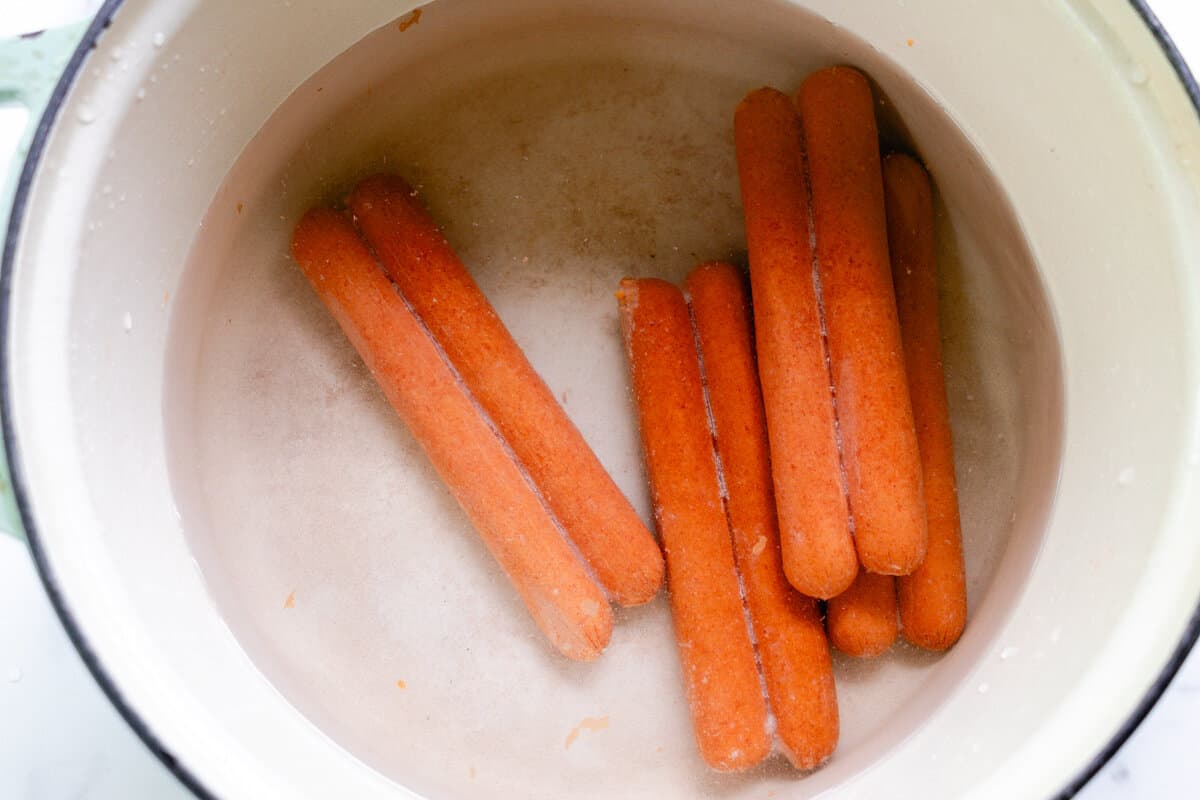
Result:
pixel 560 154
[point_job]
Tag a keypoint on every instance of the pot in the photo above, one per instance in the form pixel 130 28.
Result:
pixel 253 556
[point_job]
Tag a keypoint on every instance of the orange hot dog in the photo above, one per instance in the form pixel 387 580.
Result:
pixel 933 600
pixel 787 625
pixel 861 621
pixel 879 441
pixel 598 518
pixel 729 713
pixel 818 550
pixel 468 453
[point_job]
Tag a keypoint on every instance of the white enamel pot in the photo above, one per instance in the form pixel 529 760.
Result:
pixel 251 553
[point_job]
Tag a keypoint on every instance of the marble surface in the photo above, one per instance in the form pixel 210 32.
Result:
pixel 60 739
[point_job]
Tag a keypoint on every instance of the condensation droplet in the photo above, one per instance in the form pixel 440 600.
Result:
pixel 159 39
pixel 1126 476
pixel 127 322
pixel 86 114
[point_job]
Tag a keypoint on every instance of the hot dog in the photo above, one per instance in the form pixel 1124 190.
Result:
pixel 721 678
pixel 874 413
pixel 933 599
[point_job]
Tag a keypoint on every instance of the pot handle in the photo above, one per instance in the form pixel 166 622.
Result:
pixel 29 69
pixel 30 66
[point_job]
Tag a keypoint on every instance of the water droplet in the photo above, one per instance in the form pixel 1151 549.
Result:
pixel 159 39
pixel 984 688
pixel 1056 634
pixel 141 92
pixel 975 748
pixel 1008 652
pixel 14 675
pixel 1126 476
pixel 191 161
pixel 127 322
pixel 106 189
pixel 86 114
pixel 117 54
pixel 1138 75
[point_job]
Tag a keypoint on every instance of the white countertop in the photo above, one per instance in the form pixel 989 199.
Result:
pixel 60 739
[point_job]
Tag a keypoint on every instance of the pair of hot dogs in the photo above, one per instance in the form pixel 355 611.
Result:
pixel 540 499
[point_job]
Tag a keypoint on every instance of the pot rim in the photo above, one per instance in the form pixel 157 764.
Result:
pixel 45 124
